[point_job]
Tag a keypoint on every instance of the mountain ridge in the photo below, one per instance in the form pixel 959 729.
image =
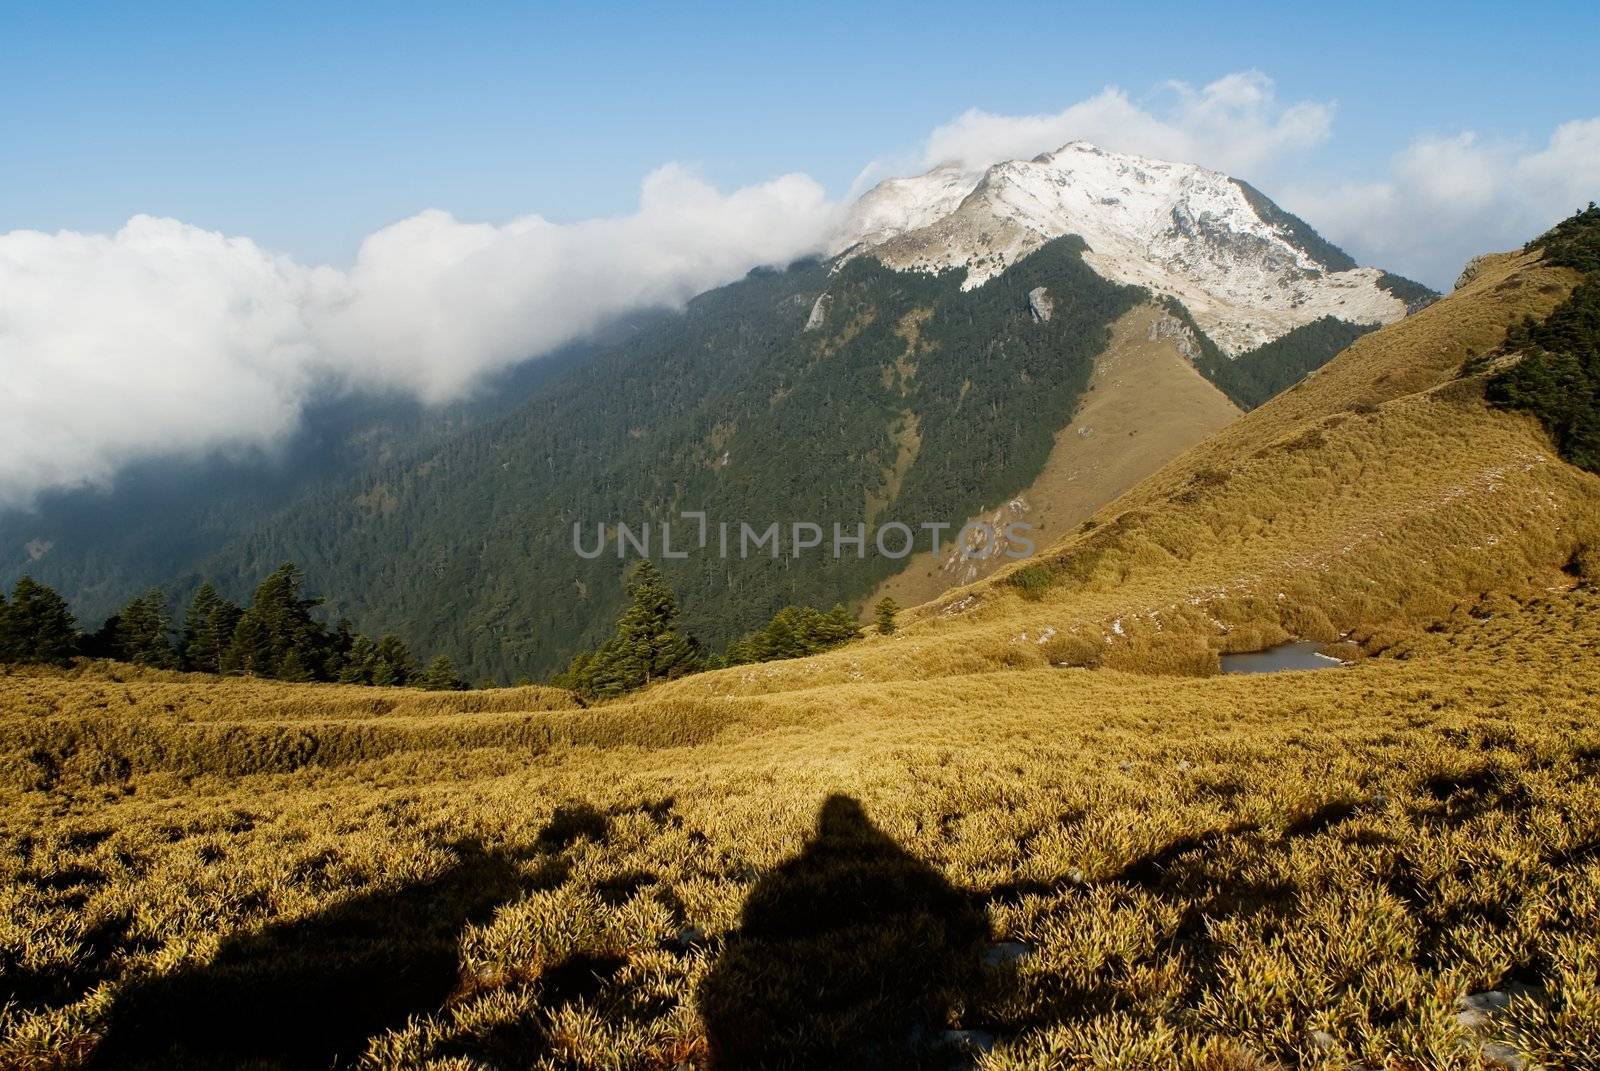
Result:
pixel 1248 271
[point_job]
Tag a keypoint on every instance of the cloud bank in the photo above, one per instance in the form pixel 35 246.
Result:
pixel 1235 124
pixel 1446 199
pixel 166 338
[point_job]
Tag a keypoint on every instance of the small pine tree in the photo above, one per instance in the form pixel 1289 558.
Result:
pixel 840 626
pixel 37 626
pixel 648 644
pixel 249 652
pixel 285 617
pixel 359 662
pixel 883 615
pixel 291 668
pixel 441 676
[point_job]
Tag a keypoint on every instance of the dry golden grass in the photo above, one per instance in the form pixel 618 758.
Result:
pixel 1199 867
pixel 808 863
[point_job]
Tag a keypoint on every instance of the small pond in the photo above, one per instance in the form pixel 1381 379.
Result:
pixel 1286 656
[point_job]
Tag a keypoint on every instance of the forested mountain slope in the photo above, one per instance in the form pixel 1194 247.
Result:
pixel 872 388
pixel 1380 497
pixel 910 399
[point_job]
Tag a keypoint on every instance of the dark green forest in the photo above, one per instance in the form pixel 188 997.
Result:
pixel 1260 375
pixel 732 408
pixel 276 636
pixel 1558 376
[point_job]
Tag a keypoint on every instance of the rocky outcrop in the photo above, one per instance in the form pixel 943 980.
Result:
pixel 1169 326
pixel 819 312
pixel 1474 266
pixel 1040 304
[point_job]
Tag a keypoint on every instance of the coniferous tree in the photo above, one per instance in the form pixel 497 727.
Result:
pixel 37 626
pixel 794 632
pixel 103 642
pixel 649 644
pixel 884 615
pixel 249 652
pixel 441 676
pixel 392 663
pixel 359 661
pixel 285 617
pixel 143 632
pixel 208 627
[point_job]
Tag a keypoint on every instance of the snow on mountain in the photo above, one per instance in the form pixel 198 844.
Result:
pixel 1247 272
pixel 899 205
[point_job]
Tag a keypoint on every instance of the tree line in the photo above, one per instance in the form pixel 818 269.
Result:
pixel 1557 378
pixel 649 642
pixel 276 636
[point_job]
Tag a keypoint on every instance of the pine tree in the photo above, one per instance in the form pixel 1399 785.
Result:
pixel 441 676
pixel 884 615
pixel 291 668
pixel 249 652
pixel 285 617
pixel 392 663
pixel 37 626
pixel 359 661
pixel 208 627
pixel 650 645
pixel 840 625
pixel 143 631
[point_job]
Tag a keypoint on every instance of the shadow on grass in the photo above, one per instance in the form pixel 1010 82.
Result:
pixel 308 994
pixel 852 954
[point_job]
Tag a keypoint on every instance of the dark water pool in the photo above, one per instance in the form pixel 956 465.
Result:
pixel 1286 656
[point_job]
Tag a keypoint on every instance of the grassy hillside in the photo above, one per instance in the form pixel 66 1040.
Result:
pixel 910 850
pixel 1145 404
pixel 1380 496
pixel 1201 873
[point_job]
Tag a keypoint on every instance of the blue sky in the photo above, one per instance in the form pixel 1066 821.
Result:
pixel 306 126
pixel 211 215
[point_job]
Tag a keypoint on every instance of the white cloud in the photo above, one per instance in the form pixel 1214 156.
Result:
pixel 1447 199
pixel 1235 124
pixel 167 338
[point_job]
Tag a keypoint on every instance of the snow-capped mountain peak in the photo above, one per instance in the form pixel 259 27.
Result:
pixel 1247 271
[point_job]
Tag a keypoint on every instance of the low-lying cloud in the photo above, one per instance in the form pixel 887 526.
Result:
pixel 1447 199
pixel 165 338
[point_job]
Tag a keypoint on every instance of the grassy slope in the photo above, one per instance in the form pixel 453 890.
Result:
pixel 1145 405
pixel 1379 496
pixel 1207 872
